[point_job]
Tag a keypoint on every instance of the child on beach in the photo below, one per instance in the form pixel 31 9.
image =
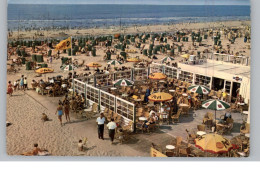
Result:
pixel 60 112
pixel 10 88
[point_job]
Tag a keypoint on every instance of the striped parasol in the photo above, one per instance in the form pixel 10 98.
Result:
pixel 217 105
pixel 134 59
pixel 167 59
pixel 213 143
pixel 157 76
pixel 199 89
pixel 94 64
pixel 114 62
pixel 68 67
pixel 160 97
pixel 123 82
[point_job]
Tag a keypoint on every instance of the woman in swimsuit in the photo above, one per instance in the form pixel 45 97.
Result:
pixel 60 113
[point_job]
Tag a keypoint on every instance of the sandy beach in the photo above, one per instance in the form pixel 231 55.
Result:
pixel 127 29
pixel 24 109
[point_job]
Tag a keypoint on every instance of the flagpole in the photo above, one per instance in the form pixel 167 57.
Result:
pixel 72 65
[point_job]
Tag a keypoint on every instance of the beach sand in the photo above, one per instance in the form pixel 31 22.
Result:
pixel 24 109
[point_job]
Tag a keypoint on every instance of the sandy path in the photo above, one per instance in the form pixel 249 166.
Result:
pixel 27 129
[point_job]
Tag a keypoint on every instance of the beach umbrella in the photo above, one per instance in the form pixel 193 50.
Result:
pixel 167 59
pixel 185 56
pixel 157 76
pixel 114 62
pixel 44 70
pixel 94 64
pixel 123 82
pixel 199 89
pixel 216 105
pixel 213 143
pixel 134 59
pixel 160 97
pixel 68 67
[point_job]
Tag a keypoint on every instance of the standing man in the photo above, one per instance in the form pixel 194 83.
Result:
pixel 111 129
pixel 100 121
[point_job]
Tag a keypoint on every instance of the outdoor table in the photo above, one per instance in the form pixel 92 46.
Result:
pixel 245 112
pixel 170 150
pixel 170 147
pixel 124 95
pixel 150 105
pixel 142 118
pixel 64 85
pixel 241 154
pixel 172 90
pixel 201 133
pixel 183 105
pixel 241 104
pixel 86 110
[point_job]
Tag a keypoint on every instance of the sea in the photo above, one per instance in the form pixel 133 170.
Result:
pixel 28 16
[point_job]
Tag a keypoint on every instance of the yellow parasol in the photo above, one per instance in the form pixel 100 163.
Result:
pixel 213 143
pixel 160 97
pixel 44 70
pixel 133 59
pixel 94 64
pixel 157 76
pixel 185 56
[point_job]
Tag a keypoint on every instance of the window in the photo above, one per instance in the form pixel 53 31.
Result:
pixel 125 108
pixel 186 76
pixel 202 80
pixel 171 72
pixel 107 100
pixel 140 73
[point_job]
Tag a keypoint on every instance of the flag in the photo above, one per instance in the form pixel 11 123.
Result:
pixel 64 44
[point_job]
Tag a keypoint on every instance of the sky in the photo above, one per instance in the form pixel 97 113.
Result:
pixel 153 2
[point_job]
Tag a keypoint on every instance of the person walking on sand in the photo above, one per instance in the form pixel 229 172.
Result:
pixel 100 122
pixel 60 113
pixel 10 88
pixel 25 83
pixel 22 83
pixel 111 130
pixel 67 111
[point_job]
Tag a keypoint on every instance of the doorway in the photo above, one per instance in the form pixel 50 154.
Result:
pixel 217 84
pixel 236 86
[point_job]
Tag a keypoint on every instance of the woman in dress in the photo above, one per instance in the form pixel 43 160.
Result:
pixel 10 88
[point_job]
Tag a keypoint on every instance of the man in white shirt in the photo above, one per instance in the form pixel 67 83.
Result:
pixel 100 121
pixel 111 130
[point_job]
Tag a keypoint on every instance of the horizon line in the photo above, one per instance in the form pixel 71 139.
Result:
pixel 129 4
